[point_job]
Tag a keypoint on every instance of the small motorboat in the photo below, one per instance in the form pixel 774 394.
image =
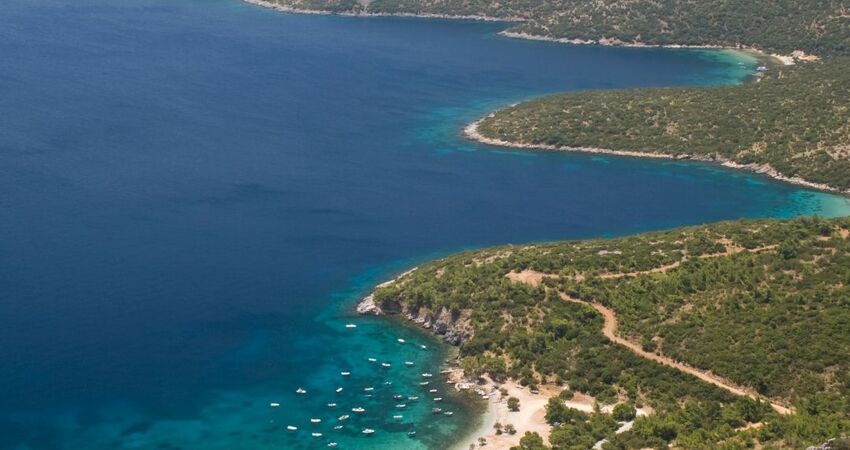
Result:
pixel 401 405
pixel 338 427
pixel 345 374
pixel 358 410
pixel 398 397
pixel 436 410
pixel 338 390
pixel 350 325
pixel 331 405
pixel 411 433
pixel 400 340
pixel 412 398
pixel 343 417
pixel 397 417
pixel 331 444
pixel 300 391
pixel 291 428
pixel 425 383
pixel 432 390
pixel 372 360
pixel 408 363
pixel 448 413
pixel 274 405
pixel 315 420
pixel 368 389
pixel 427 375
pixel 317 435
pixel 438 399
pixel 385 365
pixel 368 431
pixel 423 347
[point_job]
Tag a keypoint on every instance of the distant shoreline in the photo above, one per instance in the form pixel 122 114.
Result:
pixel 471 132
pixel 319 12
pixel 608 42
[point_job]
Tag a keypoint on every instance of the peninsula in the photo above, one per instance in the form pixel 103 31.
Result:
pixel 730 335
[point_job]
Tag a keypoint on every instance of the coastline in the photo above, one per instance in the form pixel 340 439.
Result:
pixel 471 132
pixel 610 42
pixel 319 12
pixel 786 60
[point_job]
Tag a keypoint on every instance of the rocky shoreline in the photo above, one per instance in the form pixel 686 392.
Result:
pixel 454 329
pixel 471 132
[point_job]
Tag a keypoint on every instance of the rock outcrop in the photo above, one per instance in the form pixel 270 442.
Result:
pixel 453 328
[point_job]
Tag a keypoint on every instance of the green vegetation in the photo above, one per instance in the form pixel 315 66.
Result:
pixel 623 412
pixel 816 26
pixel 764 304
pixel 513 404
pixel 795 120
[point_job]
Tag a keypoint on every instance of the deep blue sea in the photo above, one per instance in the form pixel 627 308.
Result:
pixel 194 192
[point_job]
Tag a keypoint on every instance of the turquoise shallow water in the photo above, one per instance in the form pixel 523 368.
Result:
pixel 195 192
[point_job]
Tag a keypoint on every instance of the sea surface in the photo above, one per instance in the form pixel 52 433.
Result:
pixel 193 194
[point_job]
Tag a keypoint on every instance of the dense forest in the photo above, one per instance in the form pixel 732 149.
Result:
pixel 765 304
pixel 797 120
pixel 816 26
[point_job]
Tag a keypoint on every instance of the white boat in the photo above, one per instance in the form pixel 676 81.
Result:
pixel 300 391
pixel 412 398
pixel 317 434
pixel 350 325
pixel 372 360
pixel 274 405
pixel 331 405
pixel 369 389
pixel 388 383
pixel 400 340
pixel 315 420
pixel 385 364
pixel 408 363
pixel 427 375
pixel 331 444
pixel 485 397
pixel 368 431
pixel 397 417
pixel 358 410
pixel 401 405
pixel 338 427
pixel 345 374
pixel 291 427
pixel 438 399
pixel 425 383
pixel 436 410
pixel 448 413
pixel 432 390
pixel 423 347
pixel 338 390
pixel 343 417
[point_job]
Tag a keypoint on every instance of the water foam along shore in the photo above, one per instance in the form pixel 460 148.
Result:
pixel 471 132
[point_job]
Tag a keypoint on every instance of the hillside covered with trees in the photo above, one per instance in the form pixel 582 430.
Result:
pixel 796 120
pixel 815 26
pixel 763 304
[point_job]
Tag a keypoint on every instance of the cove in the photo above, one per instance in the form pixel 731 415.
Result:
pixel 194 192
